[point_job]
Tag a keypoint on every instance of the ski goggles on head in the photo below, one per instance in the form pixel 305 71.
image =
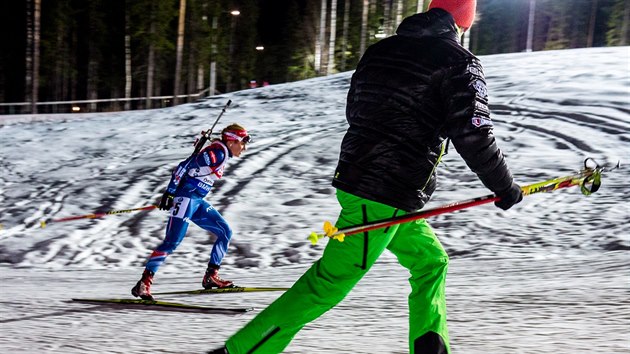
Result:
pixel 240 136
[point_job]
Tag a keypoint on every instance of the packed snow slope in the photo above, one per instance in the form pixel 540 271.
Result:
pixel 551 111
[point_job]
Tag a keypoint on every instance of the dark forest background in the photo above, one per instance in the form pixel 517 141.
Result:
pixel 104 55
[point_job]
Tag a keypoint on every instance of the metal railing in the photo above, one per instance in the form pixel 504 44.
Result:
pixel 98 105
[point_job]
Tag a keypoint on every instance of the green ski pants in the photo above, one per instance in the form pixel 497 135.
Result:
pixel 342 265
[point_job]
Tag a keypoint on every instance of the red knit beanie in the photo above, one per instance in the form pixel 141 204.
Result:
pixel 462 10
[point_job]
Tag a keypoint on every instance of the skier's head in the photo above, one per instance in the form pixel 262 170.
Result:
pixel 463 11
pixel 236 138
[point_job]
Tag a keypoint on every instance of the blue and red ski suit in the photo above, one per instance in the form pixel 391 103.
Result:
pixel 190 183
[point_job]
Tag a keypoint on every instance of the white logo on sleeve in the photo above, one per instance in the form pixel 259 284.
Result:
pixel 480 87
pixel 480 122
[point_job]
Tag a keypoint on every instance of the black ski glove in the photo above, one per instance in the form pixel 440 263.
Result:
pixel 167 201
pixel 509 197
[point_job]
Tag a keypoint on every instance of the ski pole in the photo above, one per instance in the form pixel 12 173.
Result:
pixel 96 215
pixel 589 180
pixel 205 135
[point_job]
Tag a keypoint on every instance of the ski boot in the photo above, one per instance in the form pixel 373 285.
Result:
pixel 143 286
pixel 212 280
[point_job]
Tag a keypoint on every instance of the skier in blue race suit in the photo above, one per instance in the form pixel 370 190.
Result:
pixel 184 199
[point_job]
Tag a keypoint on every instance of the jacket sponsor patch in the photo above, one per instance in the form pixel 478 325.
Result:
pixel 480 122
pixel 481 107
pixel 475 70
pixel 480 87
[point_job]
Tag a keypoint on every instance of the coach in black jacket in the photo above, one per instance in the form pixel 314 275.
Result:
pixel 409 93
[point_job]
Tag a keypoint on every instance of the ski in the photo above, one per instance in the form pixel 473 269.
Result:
pixel 137 303
pixel 236 289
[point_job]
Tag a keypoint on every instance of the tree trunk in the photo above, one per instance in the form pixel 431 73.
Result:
pixel 60 57
pixel 529 46
pixel 364 27
pixel 387 17
pixel 74 81
pixel 191 73
pixel 344 36
pixel 230 76
pixel 319 42
pixel 150 61
pixel 36 36
pixel 213 60
pixel 474 38
pixel 333 37
pixel 623 39
pixel 92 83
pixel 180 49
pixel 128 79
pixel 93 57
pixel 420 6
pixel 28 82
pixel 399 14
pixel 200 76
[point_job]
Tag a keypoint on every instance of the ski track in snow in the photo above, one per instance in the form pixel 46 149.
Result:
pixel 548 276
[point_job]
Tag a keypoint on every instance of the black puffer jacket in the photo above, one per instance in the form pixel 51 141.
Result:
pixel 409 93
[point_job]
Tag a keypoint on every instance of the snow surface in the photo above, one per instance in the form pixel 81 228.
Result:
pixel 551 275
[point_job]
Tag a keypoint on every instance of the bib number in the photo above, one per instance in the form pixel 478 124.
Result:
pixel 180 205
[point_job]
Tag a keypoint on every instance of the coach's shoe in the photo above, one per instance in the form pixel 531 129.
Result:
pixel 429 343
